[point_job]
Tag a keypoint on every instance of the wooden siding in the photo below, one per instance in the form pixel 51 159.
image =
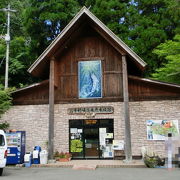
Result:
pixel 89 47
pixel 85 45
pixel 34 95
pixel 140 90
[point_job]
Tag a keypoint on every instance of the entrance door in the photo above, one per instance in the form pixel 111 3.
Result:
pixel 91 140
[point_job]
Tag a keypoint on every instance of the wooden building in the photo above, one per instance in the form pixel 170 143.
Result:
pixel 92 94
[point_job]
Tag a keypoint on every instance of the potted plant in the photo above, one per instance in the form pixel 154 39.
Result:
pixel 62 157
pixel 56 156
pixel 153 161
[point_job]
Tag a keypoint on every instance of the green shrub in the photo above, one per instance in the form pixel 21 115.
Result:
pixel 153 161
pixel 5 101
pixel 4 126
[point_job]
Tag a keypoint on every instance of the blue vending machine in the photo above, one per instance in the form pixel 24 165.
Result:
pixel 16 147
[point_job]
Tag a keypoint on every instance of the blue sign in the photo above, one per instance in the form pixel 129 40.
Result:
pixel 90 79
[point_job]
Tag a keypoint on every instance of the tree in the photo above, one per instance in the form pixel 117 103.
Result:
pixel 45 19
pixel 5 104
pixel 5 101
pixel 141 24
pixel 170 53
pixel 20 58
pixel 155 22
pixel 4 125
pixel 113 13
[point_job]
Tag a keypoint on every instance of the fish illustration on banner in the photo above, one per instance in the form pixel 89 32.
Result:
pixel 90 79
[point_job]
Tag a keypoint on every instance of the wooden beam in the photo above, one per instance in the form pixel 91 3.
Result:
pixel 108 39
pixel 51 109
pixel 55 73
pixel 128 152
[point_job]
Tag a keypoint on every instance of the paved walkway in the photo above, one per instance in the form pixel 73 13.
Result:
pixel 97 163
pixel 13 173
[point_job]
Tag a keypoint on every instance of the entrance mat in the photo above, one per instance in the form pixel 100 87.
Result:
pixel 84 167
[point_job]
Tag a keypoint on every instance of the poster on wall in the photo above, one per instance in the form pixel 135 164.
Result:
pixel 109 135
pixel 159 129
pixel 73 130
pixel 102 136
pixel 118 144
pixel 90 79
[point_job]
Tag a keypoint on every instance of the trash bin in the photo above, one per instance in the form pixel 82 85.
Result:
pixel 36 155
pixel 27 159
pixel 37 148
pixel 43 157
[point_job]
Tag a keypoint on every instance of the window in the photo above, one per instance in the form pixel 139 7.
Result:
pixel 2 142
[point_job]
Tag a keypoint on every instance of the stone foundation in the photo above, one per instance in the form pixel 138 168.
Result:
pixel 34 120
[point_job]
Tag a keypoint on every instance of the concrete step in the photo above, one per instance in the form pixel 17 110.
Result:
pixel 95 163
pixel 84 167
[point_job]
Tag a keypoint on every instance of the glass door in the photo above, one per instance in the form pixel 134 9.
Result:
pixel 76 138
pixel 91 140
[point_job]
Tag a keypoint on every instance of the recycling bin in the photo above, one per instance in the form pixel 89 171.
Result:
pixel 28 159
pixel 43 157
pixel 36 155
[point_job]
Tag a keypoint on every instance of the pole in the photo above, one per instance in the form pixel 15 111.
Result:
pixel 51 109
pixel 7 39
pixel 7 48
pixel 128 152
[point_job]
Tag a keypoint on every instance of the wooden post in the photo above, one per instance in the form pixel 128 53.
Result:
pixel 128 152
pixel 51 109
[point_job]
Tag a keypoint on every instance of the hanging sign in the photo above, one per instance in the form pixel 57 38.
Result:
pixel 96 110
pixel 90 122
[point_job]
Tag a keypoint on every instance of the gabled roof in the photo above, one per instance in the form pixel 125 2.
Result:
pixel 155 82
pixel 84 11
pixel 39 84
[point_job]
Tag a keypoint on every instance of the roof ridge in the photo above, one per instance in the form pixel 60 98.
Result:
pixel 101 25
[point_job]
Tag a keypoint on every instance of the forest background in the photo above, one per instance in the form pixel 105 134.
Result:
pixel 150 27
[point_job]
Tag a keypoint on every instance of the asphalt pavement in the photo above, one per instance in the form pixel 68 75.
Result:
pixel 17 173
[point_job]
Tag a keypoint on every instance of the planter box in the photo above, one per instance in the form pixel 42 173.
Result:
pixel 64 159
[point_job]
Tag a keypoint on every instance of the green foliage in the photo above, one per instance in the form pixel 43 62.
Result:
pixel 76 145
pixel 153 161
pixel 5 101
pixel 155 22
pixel 169 53
pixel 64 155
pixel 20 59
pixel 45 19
pixel 142 24
pixel 60 155
pixel 4 126
pixel 113 13
pixel 150 162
